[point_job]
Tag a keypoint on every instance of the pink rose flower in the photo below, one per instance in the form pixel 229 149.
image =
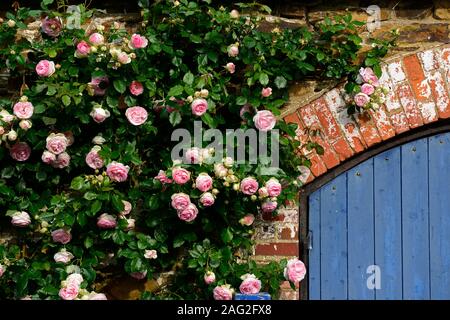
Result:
pixel 180 201
pixel 264 120
pixel 48 157
pixel 193 155
pixel 97 296
pixel 62 161
pixel 136 88
pixel 150 254
pixel 180 175
pixel 250 284
pixel 273 187
pixel 162 177
pixel 20 219
pixel 230 67
pixel 117 171
pixel 99 114
pixel 266 92
pixel 247 220
pixel 367 89
pixel 361 99
pixel 83 49
pixel 70 292
pixel 96 39
pixel 220 170
pixel 207 199
pixel 45 68
pixel 123 57
pixel 126 208
pixel 269 206
pixel 136 115
pixel 106 221
pixel 189 213
pixel 56 143
pixel 75 278
pixel 23 110
pixel 369 76
pixel 62 236
pixel 63 256
pixel 51 27
pixel 137 42
pixel 130 225
pixel 249 186
pixel 199 107
pixel 203 182
pixel 2 270
pixel 233 51
pixel 99 85
pixel 209 277
pixel 20 151
pixel 25 124
pixel 223 292
pixel 263 193
pixel 139 275
pixel 295 271
pixel 93 159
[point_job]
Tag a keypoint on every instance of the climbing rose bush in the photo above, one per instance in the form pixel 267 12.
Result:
pixel 88 188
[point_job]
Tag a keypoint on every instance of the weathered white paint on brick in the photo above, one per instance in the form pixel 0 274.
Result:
pixel 396 71
pixel 428 110
pixel 444 56
pixel 398 119
pixel 305 173
pixel 392 102
pixel 265 231
pixel 290 214
pixel 441 94
pixel 428 60
pixel 425 89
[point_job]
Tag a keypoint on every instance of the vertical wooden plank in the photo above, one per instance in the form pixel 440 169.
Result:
pixel 439 172
pixel 415 237
pixel 388 224
pixel 314 253
pixel 360 230
pixel 333 232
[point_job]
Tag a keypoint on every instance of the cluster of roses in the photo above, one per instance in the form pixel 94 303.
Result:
pixel 295 271
pixel 56 145
pixel 370 94
pixel 109 221
pixel 71 289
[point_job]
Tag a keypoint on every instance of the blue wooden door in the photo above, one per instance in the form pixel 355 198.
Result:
pixel 387 219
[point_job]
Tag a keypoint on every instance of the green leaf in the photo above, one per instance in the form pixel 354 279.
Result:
pixel 188 78
pixel 226 235
pixel 88 242
pixel 153 202
pixel 39 108
pixel 209 120
pixel 73 71
pixel 90 196
pixel 77 183
pixel 82 218
pixel 240 101
pixel 96 206
pixel 264 79
pixel 280 82
pixel 371 61
pixel 66 100
pixel 117 202
pixel 7 172
pixel 69 219
pixel 120 85
pixel 48 121
pixel 175 118
pixel 175 91
pixel 41 175
pixel 249 42
pixel 178 242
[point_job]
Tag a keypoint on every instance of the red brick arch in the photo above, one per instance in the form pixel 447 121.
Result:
pixel 419 94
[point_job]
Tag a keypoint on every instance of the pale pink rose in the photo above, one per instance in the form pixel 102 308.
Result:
pixel 20 151
pixel 99 114
pixel 189 213
pixel 136 115
pixel 139 275
pixel 249 186
pixel 2 270
pixel 63 256
pixel 48 157
pixel 123 57
pixel 130 224
pixel 209 277
pixel 207 199
pixel 230 67
pixel 70 292
pixel 6 116
pixel 180 201
pixel 247 109
pixel 367 89
pixel 137 41
pixel 23 110
pixel 126 208
pixel 136 88
pixel 264 120
pixel 62 161
pixel 96 38
pixel 199 107
pixel 266 92
pixel 250 285
pixel 93 159
pixel 162 177
pixel 25 124
pixel 117 171
pixel 247 220
pixel 233 51
pixel 234 14
pixel 75 278
pixel 57 143
pixel 361 99
pixel 193 155
pixel 203 182
pixel 180 175
pixel 295 270
pixel 106 221
pixel 269 206
pixel 83 49
pixel 223 292
pixel 150 254
pixel 263 193
pixel 273 187
pixel 61 236
pixel 51 26
pixel 99 85
pixel 20 219
pixel 369 76
pixel 220 170
pixel 45 68
pixel 97 296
